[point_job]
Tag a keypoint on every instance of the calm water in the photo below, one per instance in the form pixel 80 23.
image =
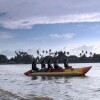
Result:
pixel 16 86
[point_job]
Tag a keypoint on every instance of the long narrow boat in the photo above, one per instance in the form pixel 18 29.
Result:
pixel 67 72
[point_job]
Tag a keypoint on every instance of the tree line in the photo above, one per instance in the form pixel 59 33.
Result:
pixel 25 58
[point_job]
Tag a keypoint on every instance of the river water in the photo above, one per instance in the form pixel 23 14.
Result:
pixel 14 85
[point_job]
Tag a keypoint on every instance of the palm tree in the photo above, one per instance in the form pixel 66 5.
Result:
pixel 67 53
pixel 55 54
pixel 43 51
pixel 49 51
pixel 86 53
pixel 46 52
pixel 80 54
pixel 38 53
pixel 16 53
pixel 90 54
pixel 82 51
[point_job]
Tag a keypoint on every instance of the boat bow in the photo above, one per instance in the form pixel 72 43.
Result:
pixel 86 69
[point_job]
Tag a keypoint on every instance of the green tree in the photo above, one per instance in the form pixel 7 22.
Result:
pixel 49 51
pixel 68 53
pixel 80 54
pixel 3 59
pixel 82 51
pixel 55 54
pixel 23 57
pixel 90 54
pixel 46 52
pixel 65 52
pixel 43 51
pixel 38 52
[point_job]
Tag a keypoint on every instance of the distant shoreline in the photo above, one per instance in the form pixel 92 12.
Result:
pixel 25 58
pixel 46 63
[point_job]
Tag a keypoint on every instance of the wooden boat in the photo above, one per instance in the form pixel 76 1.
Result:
pixel 67 72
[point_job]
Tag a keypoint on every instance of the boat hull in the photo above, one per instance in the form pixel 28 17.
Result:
pixel 67 72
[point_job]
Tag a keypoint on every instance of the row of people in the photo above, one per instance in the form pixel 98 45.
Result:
pixel 50 67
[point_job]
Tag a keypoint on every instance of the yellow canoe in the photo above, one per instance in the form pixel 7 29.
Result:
pixel 67 72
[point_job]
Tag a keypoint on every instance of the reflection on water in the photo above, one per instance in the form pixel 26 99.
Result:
pixel 44 78
pixel 14 81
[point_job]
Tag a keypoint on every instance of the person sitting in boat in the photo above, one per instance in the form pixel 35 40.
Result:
pixel 57 67
pixel 43 66
pixel 34 67
pixel 66 64
pixel 50 67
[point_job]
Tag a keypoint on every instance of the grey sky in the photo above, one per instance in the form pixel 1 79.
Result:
pixel 25 13
pixel 69 23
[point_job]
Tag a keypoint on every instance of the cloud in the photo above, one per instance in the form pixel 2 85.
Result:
pixel 24 14
pixel 96 48
pixel 73 51
pixel 27 23
pixel 38 38
pixel 62 36
pixel 83 48
pixel 8 53
pixel 89 48
pixel 6 35
pixel 2 14
pixel 11 53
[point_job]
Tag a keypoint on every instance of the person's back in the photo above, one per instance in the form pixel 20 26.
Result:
pixel 34 67
pixel 57 67
pixel 66 64
pixel 50 67
pixel 49 64
pixel 43 66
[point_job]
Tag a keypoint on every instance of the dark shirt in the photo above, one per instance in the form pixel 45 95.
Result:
pixel 43 65
pixel 34 67
pixel 49 65
pixel 58 68
pixel 66 64
pixel 56 65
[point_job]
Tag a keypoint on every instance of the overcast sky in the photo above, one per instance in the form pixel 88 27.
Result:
pixel 71 25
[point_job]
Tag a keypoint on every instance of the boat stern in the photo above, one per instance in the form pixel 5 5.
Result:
pixel 28 72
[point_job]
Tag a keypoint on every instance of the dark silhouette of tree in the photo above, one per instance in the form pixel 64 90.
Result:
pixel 55 54
pixel 90 54
pixel 83 58
pixel 23 57
pixel 86 52
pixel 46 52
pixel 16 53
pixel 38 52
pixel 80 54
pixel 3 59
pixel 50 52
pixel 67 53
pixel 43 51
